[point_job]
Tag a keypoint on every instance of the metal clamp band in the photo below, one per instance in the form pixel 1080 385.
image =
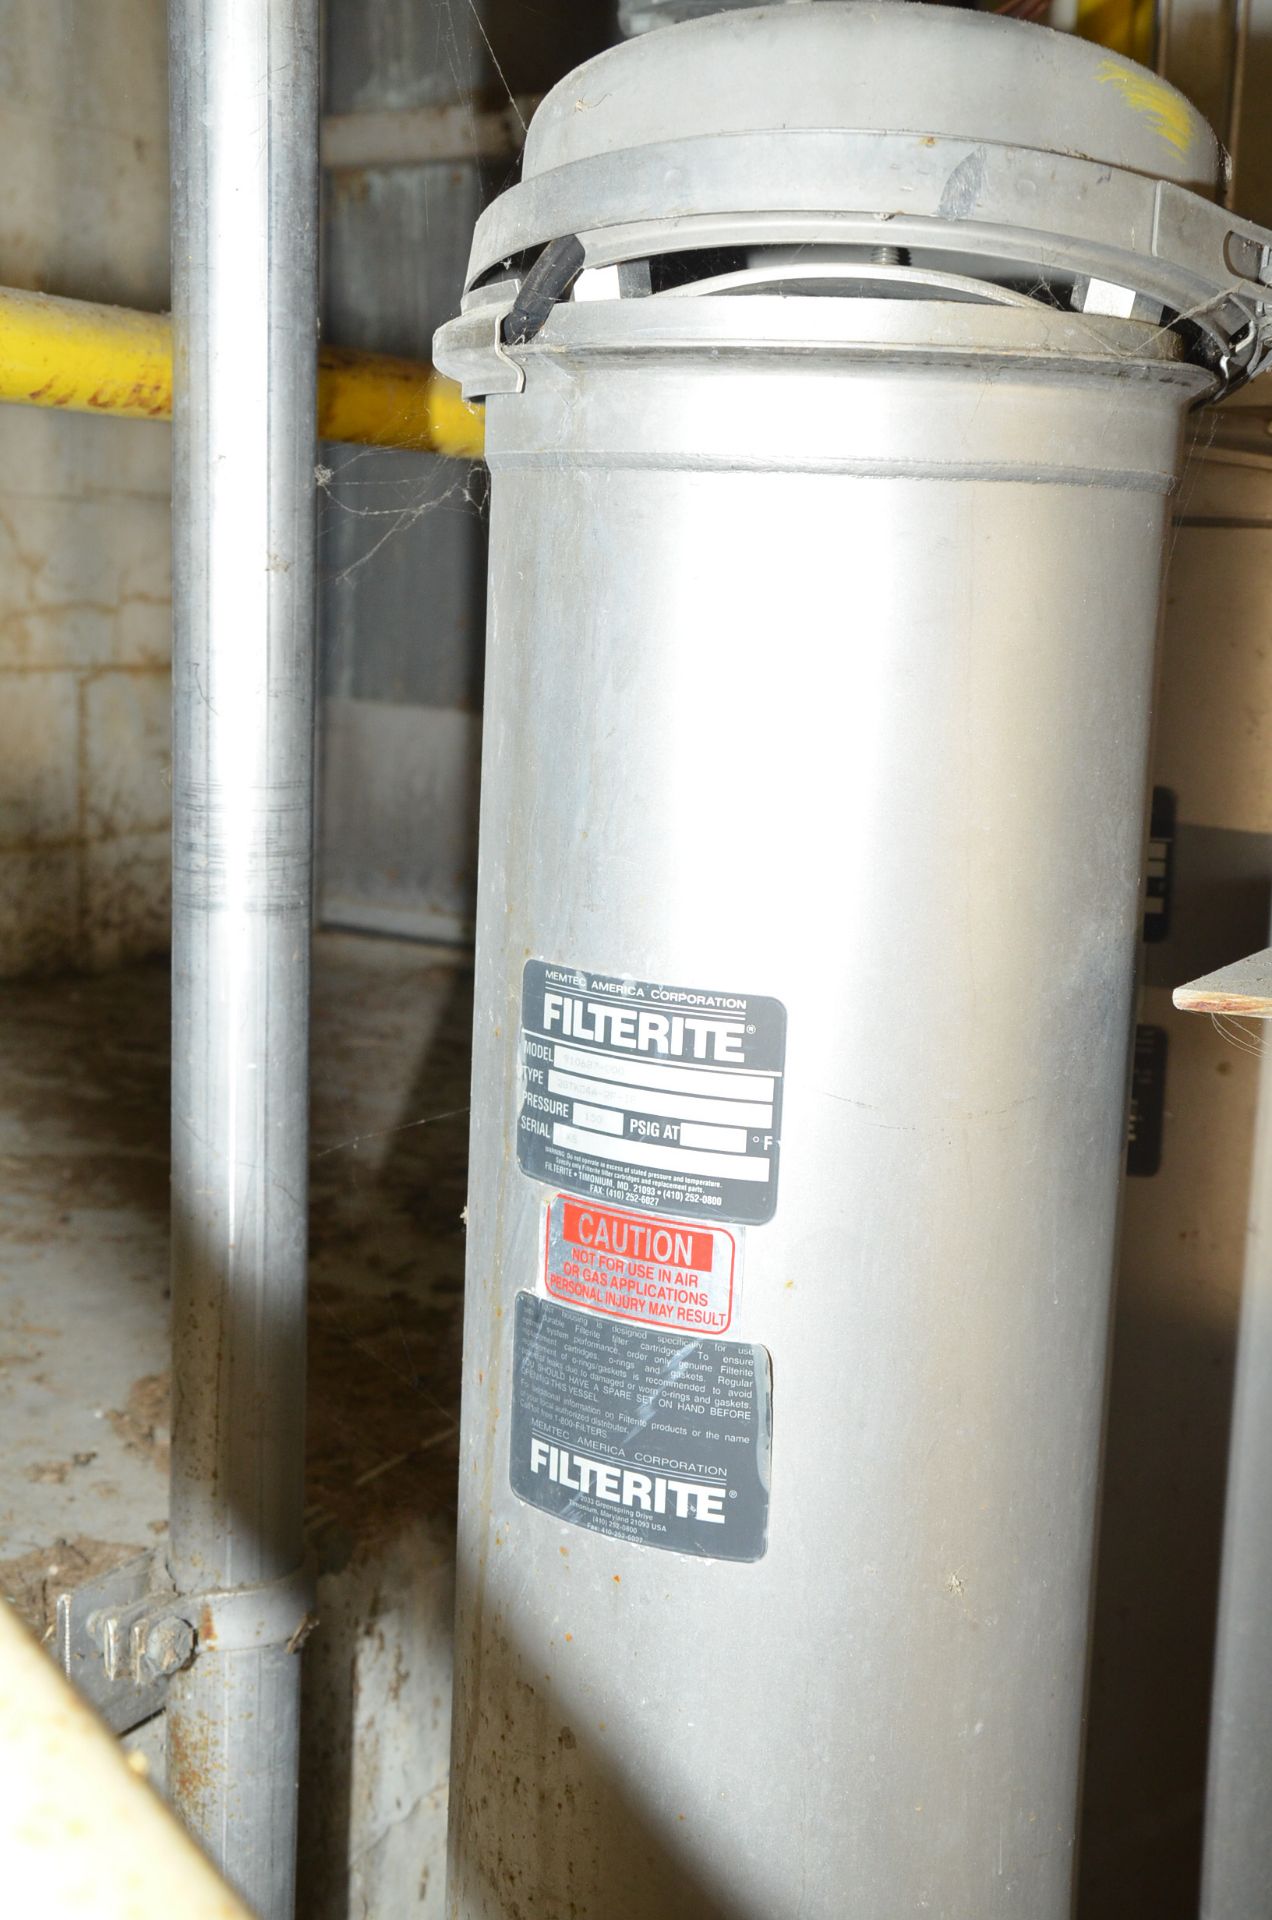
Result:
pixel 121 1637
pixel 240 1618
pixel 1012 207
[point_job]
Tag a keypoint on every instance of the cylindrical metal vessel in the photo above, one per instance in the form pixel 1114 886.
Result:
pixel 821 649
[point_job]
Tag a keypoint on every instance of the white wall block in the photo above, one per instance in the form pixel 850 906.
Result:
pixel 39 759
pixel 127 746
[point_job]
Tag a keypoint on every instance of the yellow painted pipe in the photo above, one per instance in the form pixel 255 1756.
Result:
pixel 81 1834
pixel 378 401
pixel 85 358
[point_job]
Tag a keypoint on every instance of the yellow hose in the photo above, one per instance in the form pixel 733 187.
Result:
pixel 92 359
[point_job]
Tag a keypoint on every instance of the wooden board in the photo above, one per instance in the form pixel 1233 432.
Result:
pixel 1245 987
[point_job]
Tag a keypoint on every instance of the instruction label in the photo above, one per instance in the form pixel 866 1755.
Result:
pixel 662 1273
pixel 665 1099
pixel 644 1436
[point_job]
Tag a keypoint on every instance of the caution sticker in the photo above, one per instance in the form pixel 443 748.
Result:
pixel 659 1098
pixel 644 1436
pixel 663 1273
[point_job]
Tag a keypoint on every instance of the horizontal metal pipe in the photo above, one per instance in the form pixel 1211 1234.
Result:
pixel 84 358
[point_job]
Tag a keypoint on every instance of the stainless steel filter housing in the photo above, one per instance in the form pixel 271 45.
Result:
pixel 835 361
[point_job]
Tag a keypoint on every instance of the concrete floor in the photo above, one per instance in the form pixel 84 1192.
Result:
pixel 83 1360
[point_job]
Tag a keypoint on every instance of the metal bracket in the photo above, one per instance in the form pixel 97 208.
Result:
pixel 122 1698
pixel 1204 238
pixel 237 1619
pixel 121 1637
pixel 475 351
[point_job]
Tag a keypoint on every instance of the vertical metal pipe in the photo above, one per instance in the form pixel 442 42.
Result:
pixel 1237 1862
pixel 244 230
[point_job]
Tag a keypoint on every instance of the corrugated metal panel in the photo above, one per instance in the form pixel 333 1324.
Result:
pixel 402 597
pixel 402 589
pixel 402 611
pixel 400 794
pixel 402 545
pixel 395 245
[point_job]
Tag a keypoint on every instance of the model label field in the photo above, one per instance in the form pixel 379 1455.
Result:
pixel 651 1096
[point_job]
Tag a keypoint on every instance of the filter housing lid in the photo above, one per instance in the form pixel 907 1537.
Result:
pixel 875 66
pixel 951 143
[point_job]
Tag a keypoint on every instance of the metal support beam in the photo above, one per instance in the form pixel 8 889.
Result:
pixel 245 302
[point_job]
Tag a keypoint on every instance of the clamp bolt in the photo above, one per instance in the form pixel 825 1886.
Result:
pixel 169 1644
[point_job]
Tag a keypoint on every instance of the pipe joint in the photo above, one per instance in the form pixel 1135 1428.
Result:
pixel 123 1636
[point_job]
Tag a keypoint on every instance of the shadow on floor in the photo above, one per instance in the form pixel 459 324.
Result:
pixel 388 1192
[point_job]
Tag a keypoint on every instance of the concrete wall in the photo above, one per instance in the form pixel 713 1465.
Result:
pixel 84 567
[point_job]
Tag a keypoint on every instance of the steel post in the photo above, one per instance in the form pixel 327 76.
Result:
pixel 244 232
pixel 1238 1846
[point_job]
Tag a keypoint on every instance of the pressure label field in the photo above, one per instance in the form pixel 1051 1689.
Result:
pixel 643 1436
pixel 644 1095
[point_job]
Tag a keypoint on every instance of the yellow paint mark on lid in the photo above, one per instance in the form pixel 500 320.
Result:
pixel 1167 112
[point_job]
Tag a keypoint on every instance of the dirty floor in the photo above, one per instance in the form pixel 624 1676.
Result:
pixel 83 1257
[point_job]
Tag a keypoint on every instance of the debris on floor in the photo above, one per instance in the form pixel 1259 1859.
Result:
pixel 83 1360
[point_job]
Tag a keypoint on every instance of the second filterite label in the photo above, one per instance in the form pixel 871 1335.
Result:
pixel 648 1437
pixel 651 1096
